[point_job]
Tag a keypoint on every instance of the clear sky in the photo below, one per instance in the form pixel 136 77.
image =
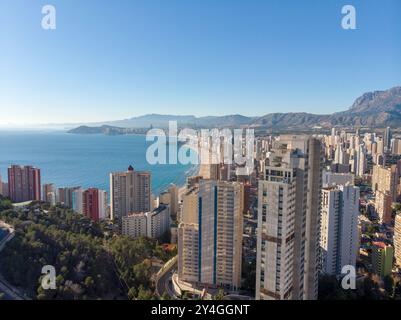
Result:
pixel 109 60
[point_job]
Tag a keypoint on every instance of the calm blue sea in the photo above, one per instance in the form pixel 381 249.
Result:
pixel 84 160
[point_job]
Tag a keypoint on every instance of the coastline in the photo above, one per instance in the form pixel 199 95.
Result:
pixel 87 159
pixel 182 188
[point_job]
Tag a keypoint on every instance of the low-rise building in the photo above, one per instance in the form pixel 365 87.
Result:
pixel 153 224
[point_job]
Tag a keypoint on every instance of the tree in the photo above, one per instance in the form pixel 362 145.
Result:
pixel 165 296
pixel 144 294
pixel 389 285
pixel 219 295
pixel 90 263
pixel 132 293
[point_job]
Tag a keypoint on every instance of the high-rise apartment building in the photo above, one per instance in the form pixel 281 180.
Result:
pixel 339 228
pixel 130 192
pixel 387 139
pixel 396 146
pixel 65 196
pixel 210 234
pixel 94 204
pixel 380 146
pixel 385 179
pixel 361 162
pixel 382 258
pixel 77 201
pixel 173 190
pixel 289 220
pixel 397 239
pixel 4 189
pixel 383 206
pixel 49 193
pixel 170 197
pixel 24 183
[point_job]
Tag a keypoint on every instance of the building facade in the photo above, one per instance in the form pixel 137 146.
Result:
pixel 382 258
pixel 288 229
pixel 24 183
pixel 130 192
pixel 49 193
pixel 210 235
pixel 152 224
pixel 397 240
pixel 339 228
pixel 94 204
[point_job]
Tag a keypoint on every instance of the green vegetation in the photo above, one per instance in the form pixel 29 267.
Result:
pixel 219 295
pixel 91 262
pixel 370 288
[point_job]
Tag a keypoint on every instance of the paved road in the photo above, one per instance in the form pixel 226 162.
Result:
pixel 10 292
pixel 164 284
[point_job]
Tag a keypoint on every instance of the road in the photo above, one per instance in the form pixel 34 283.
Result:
pixel 10 292
pixel 164 284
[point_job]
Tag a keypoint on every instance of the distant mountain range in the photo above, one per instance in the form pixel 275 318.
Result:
pixel 372 109
pixel 161 121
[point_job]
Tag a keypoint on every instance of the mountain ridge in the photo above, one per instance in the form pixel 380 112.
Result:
pixel 374 109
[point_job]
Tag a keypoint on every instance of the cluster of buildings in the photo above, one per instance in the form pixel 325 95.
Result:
pixel 296 216
pixel 132 207
pixel 309 192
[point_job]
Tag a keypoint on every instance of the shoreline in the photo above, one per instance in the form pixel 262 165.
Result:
pixel 183 188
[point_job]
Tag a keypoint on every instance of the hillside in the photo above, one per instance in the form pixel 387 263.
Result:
pixel 372 109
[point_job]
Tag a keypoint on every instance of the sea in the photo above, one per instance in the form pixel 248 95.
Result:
pixel 85 160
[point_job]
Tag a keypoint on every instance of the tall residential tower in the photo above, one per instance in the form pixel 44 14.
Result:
pixel 210 235
pixel 289 220
pixel 129 193
pixel 24 183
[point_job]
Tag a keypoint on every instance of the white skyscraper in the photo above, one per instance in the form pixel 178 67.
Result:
pixel 77 200
pixel 288 221
pixel 361 161
pixel 339 228
pixel 210 235
pixel 397 240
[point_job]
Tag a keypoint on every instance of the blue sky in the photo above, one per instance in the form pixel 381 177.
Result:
pixel 110 60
